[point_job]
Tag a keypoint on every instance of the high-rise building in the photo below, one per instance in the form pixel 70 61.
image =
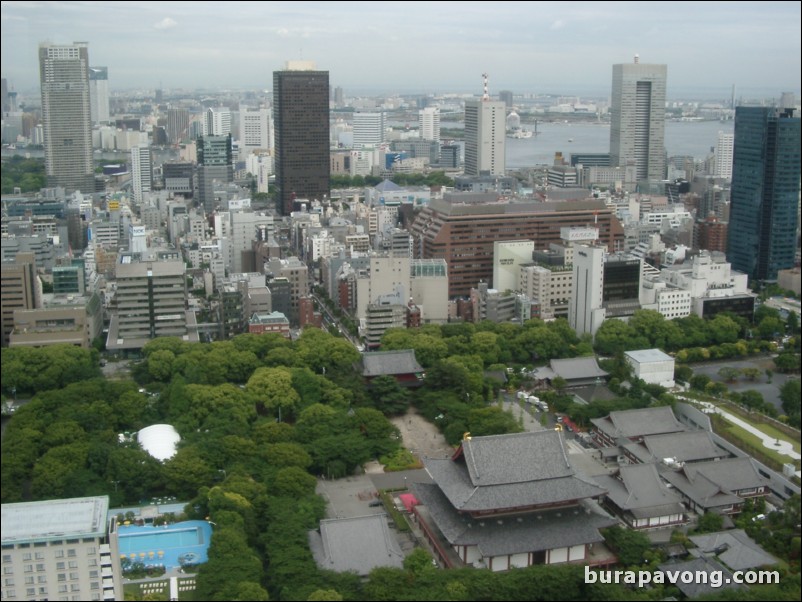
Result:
pixel 66 116
pixel 177 125
pixel 485 135
pixel 301 120
pixel 256 131
pixel 723 166
pixel 765 191
pixel 217 121
pixel 215 162
pixel 99 94
pixel 141 172
pixel 429 123
pixel 369 128
pixel 637 118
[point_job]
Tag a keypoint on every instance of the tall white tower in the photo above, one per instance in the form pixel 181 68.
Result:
pixel 485 135
pixel 141 172
pixel 429 123
pixel 724 145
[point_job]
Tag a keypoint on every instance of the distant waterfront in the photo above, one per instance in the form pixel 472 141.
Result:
pixel 692 138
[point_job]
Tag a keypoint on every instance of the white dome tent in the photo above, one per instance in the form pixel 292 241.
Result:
pixel 159 440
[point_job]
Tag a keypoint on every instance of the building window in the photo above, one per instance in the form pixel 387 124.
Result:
pixel 9 582
pixel 60 566
pixel 40 556
pixel 73 564
pixel 42 579
pixel 28 580
pixel 29 568
pixel 40 567
pixel 62 576
pixel 6 557
pixel 59 553
pixel 72 553
pixel 8 570
pixel 62 589
pixel 26 556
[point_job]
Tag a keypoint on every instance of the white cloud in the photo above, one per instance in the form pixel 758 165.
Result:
pixel 166 23
pixel 558 24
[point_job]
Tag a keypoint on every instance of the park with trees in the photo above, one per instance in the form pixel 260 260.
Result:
pixel 261 417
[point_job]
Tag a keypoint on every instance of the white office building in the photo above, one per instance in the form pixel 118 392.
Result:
pixel 429 123
pixel 485 135
pixel 724 146
pixel 369 129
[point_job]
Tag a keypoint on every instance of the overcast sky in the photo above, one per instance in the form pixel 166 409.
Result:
pixel 540 47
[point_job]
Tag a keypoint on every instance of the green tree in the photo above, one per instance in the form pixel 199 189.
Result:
pixel 272 389
pixel 388 396
pixel 630 546
pixel 729 373
pixel 324 595
pixel 710 522
pixel 294 482
pixel 791 401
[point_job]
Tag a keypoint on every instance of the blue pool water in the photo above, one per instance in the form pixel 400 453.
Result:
pixel 171 546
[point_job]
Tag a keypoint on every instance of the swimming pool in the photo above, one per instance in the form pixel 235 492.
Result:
pixel 171 545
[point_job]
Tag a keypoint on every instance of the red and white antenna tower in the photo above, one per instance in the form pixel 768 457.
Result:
pixel 485 96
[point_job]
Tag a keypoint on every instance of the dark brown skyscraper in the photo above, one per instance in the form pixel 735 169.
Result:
pixel 301 117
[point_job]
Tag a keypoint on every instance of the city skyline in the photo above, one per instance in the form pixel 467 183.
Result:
pixel 526 47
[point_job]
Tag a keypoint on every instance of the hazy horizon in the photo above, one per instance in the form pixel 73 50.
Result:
pixel 369 49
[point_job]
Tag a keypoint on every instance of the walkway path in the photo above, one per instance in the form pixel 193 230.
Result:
pixel 781 447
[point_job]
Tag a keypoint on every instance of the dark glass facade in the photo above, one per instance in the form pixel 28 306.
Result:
pixel 301 120
pixel 765 191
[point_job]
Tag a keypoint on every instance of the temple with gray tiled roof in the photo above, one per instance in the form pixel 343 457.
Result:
pixel 717 486
pixel 501 473
pixel 355 545
pixel 401 364
pixel 634 425
pixel 691 446
pixel 576 372
pixel 641 499
pixel 734 548
pixel 507 501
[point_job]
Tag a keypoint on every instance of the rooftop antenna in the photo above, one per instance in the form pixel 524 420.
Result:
pixel 485 96
pixel 637 59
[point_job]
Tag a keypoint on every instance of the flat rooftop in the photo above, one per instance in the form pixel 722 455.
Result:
pixel 646 356
pixel 54 519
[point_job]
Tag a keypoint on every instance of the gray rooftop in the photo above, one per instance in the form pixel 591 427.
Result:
pixel 639 423
pixel 379 363
pixel 734 548
pixel 572 369
pixel 531 532
pixel 698 587
pixel 510 471
pixel 646 356
pixel 357 544
pixel 54 519
pixel 639 490
pixel 691 446
pixel 469 204
pixel 712 484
